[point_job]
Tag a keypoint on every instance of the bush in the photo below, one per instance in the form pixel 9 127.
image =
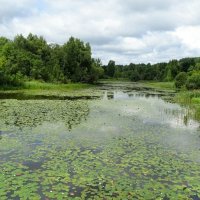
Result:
pixel 193 81
pixel 180 79
pixel 135 76
pixel 10 80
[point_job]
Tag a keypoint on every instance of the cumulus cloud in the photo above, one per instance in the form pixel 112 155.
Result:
pixel 128 31
pixel 189 36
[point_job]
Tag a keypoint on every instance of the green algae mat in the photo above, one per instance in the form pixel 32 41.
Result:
pixel 124 145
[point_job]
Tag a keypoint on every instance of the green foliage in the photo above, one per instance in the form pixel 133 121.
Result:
pixel 37 85
pixel 191 99
pixel 96 71
pixel 174 71
pixel 33 58
pixel 193 81
pixel 135 76
pixel 186 63
pixel 180 79
pixel 159 85
pixel 77 60
pixel 111 68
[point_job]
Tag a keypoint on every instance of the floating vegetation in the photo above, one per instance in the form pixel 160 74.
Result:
pixel 29 113
pixel 128 147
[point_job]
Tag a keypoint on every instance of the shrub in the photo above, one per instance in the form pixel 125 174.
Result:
pixel 135 76
pixel 180 79
pixel 193 81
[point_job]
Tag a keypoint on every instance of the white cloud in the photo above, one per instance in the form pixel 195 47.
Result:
pixel 189 36
pixel 10 9
pixel 128 31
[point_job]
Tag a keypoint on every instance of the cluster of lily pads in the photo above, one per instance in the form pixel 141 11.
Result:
pixel 124 168
pixel 100 149
pixel 30 113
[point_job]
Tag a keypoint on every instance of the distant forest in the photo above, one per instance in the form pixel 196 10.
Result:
pixel 184 72
pixel 32 58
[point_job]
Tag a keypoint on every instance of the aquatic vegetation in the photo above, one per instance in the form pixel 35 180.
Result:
pixel 37 85
pixel 192 100
pixel 160 85
pixel 31 113
pixel 126 146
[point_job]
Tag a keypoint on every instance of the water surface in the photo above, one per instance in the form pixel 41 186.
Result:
pixel 128 143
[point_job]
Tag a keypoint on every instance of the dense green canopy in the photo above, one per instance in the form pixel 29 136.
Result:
pixel 185 72
pixel 33 58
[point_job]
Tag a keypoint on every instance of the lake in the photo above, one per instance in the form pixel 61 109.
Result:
pixel 119 142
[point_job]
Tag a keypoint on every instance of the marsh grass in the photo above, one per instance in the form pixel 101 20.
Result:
pixel 37 85
pixel 183 97
pixel 188 97
pixel 191 99
pixel 159 85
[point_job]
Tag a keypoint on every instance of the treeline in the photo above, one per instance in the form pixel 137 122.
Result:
pixel 184 72
pixel 31 57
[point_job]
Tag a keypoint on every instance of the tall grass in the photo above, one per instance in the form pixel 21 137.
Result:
pixel 36 85
pixel 188 97
pixel 191 99
pixel 159 85
pixel 39 87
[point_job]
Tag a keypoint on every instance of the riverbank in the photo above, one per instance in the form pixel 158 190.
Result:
pixel 191 99
pixel 37 88
pixel 37 85
pixel 159 85
pixel 183 97
pixel 75 90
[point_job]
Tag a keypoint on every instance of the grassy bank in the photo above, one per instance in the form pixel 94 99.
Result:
pixel 185 97
pixel 36 88
pixel 159 85
pixel 37 85
pixel 191 99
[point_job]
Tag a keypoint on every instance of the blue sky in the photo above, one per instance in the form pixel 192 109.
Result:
pixel 126 31
pixel 41 5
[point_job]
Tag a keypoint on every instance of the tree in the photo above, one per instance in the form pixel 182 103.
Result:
pixel 31 57
pixel 111 68
pixel 186 63
pixel 135 76
pixel 174 67
pixel 180 79
pixel 96 71
pixel 56 64
pixel 193 81
pixel 77 60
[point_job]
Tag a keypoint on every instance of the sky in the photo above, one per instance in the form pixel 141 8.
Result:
pixel 127 31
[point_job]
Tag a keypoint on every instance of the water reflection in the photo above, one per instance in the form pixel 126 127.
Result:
pixel 108 95
pixel 153 109
pixel 130 133
pixel 116 95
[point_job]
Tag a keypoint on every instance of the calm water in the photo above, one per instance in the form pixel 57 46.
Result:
pixel 127 144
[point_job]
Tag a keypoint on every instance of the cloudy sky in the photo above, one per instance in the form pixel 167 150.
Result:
pixel 123 30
